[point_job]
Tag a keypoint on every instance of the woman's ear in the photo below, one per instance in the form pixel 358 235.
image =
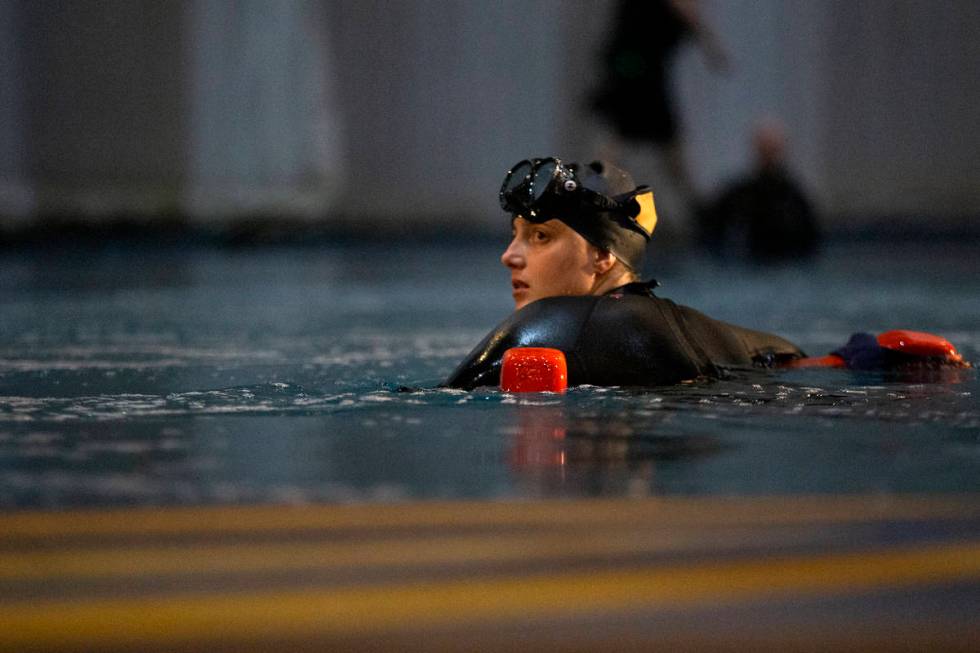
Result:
pixel 603 261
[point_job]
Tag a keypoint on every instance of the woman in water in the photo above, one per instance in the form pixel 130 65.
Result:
pixel 579 237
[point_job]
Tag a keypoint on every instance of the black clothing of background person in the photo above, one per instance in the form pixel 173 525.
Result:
pixel 635 94
pixel 770 210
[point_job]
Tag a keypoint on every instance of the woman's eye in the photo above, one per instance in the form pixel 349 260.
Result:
pixel 539 236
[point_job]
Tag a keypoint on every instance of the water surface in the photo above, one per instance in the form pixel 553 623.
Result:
pixel 201 375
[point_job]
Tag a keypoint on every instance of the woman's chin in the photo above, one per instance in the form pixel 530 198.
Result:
pixel 521 298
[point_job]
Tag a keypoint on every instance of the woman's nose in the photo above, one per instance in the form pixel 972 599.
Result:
pixel 513 256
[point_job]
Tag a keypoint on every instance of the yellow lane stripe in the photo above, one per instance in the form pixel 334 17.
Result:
pixel 264 519
pixel 200 619
pixel 81 563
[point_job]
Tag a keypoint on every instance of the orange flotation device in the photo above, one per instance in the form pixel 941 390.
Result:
pixel 910 346
pixel 917 343
pixel 534 369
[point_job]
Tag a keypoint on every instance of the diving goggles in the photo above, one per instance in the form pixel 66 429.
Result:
pixel 542 189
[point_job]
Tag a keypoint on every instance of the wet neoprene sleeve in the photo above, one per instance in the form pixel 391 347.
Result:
pixel 622 339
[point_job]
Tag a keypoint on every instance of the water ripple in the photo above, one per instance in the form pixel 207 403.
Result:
pixel 769 395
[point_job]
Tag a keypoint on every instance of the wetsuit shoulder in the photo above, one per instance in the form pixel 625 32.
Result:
pixel 637 340
pixel 551 322
pixel 622 339
pixel 626 339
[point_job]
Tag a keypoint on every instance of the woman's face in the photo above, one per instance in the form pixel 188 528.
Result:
pixel 546 260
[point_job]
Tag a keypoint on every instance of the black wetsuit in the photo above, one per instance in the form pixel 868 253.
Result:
pixel 627 337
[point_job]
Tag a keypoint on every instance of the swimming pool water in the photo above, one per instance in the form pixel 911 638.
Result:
pixel 197 375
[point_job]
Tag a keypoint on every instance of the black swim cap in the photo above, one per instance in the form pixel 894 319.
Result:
pixel 599 201
pixel 626 236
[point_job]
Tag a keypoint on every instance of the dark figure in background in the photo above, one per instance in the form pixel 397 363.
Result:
pixel 768 208
pixel 636 93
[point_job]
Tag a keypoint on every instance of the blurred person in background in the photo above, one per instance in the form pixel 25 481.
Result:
pixel 765 214
pixel 636 95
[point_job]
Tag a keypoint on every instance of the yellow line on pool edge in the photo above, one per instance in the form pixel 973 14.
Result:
pixel 273 518
pixel 41 565
pixel 353 611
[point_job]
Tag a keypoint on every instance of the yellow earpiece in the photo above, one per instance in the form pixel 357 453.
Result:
pixel 647 217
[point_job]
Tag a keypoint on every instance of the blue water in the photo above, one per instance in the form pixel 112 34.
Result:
pixel 167 375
